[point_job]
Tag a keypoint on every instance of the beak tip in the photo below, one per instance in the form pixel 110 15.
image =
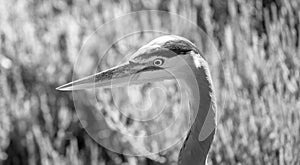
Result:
pixel 64 88
pixel 58 88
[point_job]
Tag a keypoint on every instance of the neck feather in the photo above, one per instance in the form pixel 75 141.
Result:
pixel 200 136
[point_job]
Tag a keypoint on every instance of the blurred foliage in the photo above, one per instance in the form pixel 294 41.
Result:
pixel 259 46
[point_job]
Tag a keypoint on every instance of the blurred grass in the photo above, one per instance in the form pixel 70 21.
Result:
pixel 259 46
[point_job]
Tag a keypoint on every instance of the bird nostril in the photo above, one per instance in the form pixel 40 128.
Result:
pixel 131 62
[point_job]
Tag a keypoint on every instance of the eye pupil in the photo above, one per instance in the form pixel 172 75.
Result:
pixel 158 62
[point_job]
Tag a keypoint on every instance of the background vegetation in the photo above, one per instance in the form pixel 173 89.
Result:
pixel 259 46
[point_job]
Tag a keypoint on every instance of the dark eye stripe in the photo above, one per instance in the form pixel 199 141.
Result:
pixel 178 47
pixel 168 49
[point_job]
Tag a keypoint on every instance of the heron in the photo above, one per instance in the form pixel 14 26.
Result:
pixel 153 62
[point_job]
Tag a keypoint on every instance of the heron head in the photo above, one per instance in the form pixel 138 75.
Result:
pixel 161 59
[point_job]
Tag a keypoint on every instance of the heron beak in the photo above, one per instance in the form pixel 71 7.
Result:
pixel 122 75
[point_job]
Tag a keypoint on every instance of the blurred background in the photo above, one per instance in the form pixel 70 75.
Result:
pixel 257 78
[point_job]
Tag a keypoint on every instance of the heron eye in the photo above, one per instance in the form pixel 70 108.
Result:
pixel 158 62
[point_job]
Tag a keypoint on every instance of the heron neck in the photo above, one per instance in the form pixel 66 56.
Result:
pixel 200 136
